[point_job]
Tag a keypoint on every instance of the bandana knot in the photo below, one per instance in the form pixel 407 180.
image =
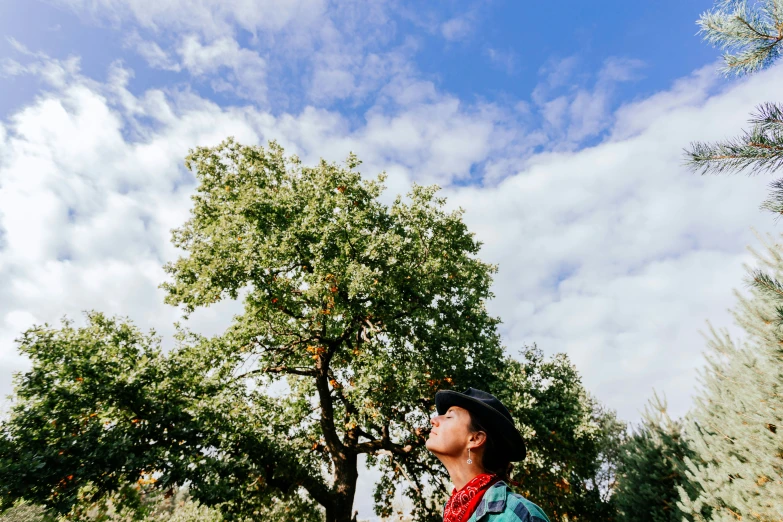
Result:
pixel 462 503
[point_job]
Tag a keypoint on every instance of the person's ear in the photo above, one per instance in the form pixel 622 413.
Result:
pixel 478 439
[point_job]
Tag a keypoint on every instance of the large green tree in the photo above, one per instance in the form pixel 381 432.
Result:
pixel 105 418
pixel 364 309
pixel 104 412
pixel 355 314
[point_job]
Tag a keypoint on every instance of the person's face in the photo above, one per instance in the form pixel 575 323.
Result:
pixel 450 434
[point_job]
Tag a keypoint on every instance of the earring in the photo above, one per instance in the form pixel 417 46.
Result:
pixel 470 461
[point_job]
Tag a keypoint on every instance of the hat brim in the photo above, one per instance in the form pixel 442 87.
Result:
pixel 494 421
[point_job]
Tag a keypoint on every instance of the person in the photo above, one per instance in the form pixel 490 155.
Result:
pixel 475 438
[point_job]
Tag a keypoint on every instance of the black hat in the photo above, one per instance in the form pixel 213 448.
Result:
pixel 491 413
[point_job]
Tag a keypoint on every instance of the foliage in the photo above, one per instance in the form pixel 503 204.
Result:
pixel 103 409
pixel 735 426
pixel 651 468
pixel 25 512
pixel 569 468
pixel 761 149
pixel 365 310
pixel 355 314
pixel 734 429
pixel 155 507
pixel 749 31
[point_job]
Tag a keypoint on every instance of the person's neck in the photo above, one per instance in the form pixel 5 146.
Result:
pixel 461 473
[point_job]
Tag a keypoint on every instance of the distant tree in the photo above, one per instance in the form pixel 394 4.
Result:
pixel 735 427
pixel 651 468
pixel 569 470
pixel 751 33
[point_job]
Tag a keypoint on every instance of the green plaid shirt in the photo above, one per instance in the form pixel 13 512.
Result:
pixel 500 504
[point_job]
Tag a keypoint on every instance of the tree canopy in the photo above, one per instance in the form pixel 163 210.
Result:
pixel 370 309
pixel 355 314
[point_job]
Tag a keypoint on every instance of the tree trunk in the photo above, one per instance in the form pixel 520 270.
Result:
pixel 345 476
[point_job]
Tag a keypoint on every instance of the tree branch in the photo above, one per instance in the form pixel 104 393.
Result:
pixel 278 369
pixel 384 443
pixel 755 31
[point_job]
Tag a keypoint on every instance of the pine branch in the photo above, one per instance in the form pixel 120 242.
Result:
pixel 750 35
pixel 774 202
pixel 757 152
pixel 760 150
pixel 767 284
pixel 769 287
pixel 768 118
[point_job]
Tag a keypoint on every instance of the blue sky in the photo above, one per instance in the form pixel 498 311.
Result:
pixel 557 126
pixel 494 50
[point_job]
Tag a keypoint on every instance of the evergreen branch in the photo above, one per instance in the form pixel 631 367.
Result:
pixel 751 60
pixel 761 150
pixel 774 202
pixel 751 36
pixel 768 118
pixel 767 284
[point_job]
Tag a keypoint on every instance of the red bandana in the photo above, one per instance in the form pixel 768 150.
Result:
pixel 462 503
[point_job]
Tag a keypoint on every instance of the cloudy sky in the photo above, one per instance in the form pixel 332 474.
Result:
pixel 558 127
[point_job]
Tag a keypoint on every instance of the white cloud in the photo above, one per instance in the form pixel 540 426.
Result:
pixel 557 73
pixel 210 18
pixel 340 73
pixel 617 254
pixel 580 112
pixel 340 53
pixel 457 28
pixel 55 72
pixel 247 68
pixel 505 60
pixel 155 56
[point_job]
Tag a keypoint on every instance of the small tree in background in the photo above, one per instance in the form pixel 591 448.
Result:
pixel 651 468
pixel 569 469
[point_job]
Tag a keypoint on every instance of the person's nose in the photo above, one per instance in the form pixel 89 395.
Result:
pixel 435 420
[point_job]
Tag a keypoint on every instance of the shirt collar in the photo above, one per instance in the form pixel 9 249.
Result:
pixel 494 501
